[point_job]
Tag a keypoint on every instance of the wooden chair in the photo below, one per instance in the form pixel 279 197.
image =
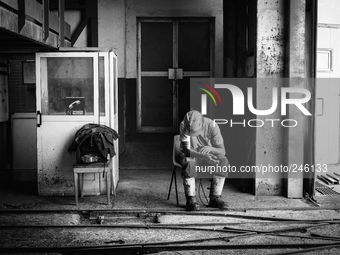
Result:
pixel 175 151
pixel 99 168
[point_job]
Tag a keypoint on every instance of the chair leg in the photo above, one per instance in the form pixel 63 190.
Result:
pixel 113 181
pixel 100 183
pixel 108 186
pixel 82 185
pixel 176 186
pixel 76 188
pixel 172 177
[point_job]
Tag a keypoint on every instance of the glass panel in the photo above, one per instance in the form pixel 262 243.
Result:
pixel 194 46
pixel 101 86
pixel 156 46
pixel 69 84
pixel 156 101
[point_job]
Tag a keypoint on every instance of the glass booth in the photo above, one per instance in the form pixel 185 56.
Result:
pixel 73 89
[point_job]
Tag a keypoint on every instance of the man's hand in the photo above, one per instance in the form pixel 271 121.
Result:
pixel 208 155
pixel 206 150
pixel 218 149
pixel 211 159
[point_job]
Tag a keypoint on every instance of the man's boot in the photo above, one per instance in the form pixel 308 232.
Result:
pixel 189 189
pixel 216 188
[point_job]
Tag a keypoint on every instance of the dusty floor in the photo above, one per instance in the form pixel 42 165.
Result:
pixel 139 189
pixel 141 219
pixel 169 232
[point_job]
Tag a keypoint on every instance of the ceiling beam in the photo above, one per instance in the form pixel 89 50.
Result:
pixel 91 12
pixel 78 30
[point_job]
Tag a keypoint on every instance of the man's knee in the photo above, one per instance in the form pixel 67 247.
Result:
pixel 223 160
pixel 188 169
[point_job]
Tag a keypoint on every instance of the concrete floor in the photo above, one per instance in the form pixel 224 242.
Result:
pixel 146 167
pixel 139 189
pixel 145 172
pixel 147 190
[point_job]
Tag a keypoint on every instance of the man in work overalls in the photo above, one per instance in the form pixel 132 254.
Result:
pixel 202 145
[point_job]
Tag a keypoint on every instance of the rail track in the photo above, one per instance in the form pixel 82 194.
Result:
pixel 154 231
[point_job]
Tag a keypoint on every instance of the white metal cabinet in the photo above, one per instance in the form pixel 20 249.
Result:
pixel 24 145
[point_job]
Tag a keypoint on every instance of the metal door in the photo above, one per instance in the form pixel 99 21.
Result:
pixel 170 52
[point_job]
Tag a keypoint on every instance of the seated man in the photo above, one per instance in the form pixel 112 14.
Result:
pixel 202 145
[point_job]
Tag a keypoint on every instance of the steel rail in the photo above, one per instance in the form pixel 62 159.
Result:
pixel 182 209
pixel 219 223
pixel 282 229
pixel 222 238
pixel 324 236
pixel 311 249
pixel 304 237
pixel 121 226
pixel 174 227
pixel 146 248
pixel 161 225
pixel 165 213
pixel 315 223
pixel 175 210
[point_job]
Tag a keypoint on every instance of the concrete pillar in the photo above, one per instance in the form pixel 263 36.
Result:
pixel 296 72
pixel 281 42
pixel 270 67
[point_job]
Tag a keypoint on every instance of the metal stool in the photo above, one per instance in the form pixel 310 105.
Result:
pixel 99 168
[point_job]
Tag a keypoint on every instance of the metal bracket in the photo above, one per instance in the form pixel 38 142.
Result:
pixel 175 74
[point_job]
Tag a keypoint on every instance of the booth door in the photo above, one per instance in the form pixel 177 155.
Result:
pixel 67 98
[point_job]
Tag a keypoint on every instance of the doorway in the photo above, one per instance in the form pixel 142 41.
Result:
pixel 170 52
